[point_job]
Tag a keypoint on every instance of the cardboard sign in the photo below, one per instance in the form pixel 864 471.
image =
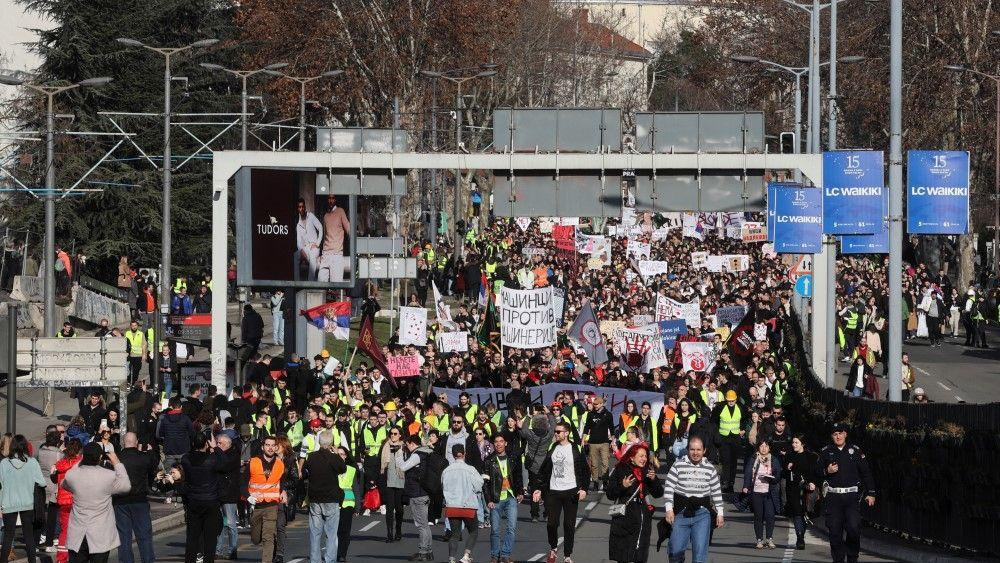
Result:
pixel 699 259
pixel 753 232
pixel 403 366
pixel 523 222
pixel 413 326
pixel 527 318
pixel 453 341
pixel 695 356
pixel 638 249
pixel 649 268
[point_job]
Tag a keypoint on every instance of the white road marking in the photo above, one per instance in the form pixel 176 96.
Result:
pixel 943 386
pixel 591 505
pixel 959 399
pixel 921 370
pixel 370 525
pixel 537 557
pixel 790 550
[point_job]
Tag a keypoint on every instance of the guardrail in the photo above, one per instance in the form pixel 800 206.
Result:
pixel 103 288
pixel 936 466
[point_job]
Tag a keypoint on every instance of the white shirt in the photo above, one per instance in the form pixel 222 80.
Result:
pixel 308 232
pixel 563 474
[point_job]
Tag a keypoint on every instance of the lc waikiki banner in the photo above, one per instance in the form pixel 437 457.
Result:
pixel 772 188
pixel 853 191
pixel 798 220
pixel 875 243
pixel 937 192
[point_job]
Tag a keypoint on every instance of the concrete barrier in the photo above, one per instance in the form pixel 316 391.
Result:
pixel 92 307
pixel 27 288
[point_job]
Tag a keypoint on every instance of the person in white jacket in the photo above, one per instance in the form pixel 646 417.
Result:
pixel 92 529
pixel 462 485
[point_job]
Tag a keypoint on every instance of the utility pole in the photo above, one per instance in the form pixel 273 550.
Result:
pixel 434 175
pixel 244 75
pixel 895 272
pixel 831 240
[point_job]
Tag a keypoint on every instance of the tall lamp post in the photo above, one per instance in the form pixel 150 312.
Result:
pixel 165 239
pixel 244 75
pixel 456 78
pixel 48 255
pixel 303 80
pixel 996 156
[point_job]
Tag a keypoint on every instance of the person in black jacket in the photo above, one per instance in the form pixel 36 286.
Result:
pixel 252 328
pixel 412 460
pixel 502 493
pixel 132 508
pixel 229 497
pixel 436 464
pixel 201 468
pixel 802 480
pixel 631 481
pixel 322 470
pixel 175 431
pixel 563 477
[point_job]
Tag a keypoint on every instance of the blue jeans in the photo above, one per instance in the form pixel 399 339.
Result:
pixel 229 536
pixel 129 518
pixel 694 530
pixel 679 448
pixel 323 518
pixel 505 509
pixel 857 391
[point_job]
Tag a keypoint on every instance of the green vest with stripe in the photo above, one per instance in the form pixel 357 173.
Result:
pixel 373 441
pixel 729 422
pixel 294 433
pixel 346 480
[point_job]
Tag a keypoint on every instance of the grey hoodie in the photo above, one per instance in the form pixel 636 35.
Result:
pixel 538 438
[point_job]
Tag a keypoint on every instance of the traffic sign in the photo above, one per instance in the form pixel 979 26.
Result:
pixel 804 286
pixel 802 267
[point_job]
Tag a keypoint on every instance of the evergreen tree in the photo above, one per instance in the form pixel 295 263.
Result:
pixel 125 219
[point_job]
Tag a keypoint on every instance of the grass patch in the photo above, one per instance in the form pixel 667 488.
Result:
pixel 342 349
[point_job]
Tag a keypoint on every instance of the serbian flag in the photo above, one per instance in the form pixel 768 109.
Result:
pixel 484 283
pixel 334 318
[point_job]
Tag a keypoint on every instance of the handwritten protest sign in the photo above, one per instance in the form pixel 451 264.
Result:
pixel 649 268
pixel 527 318
pixel 453 341
pixel 403 366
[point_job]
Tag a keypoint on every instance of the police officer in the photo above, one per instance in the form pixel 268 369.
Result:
pixel 846 477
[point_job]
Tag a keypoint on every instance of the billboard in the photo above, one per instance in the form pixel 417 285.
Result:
pixel 289 235
pixel 853 188
pixel 937 192
pixel 875 243
pixel 798 225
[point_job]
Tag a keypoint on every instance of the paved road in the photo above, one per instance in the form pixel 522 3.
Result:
pixel 951 373
pixel 732 543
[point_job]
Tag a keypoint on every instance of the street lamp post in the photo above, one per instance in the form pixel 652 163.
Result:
pixel 797 72
pixel 244 75
pixel 165 239
pixel 487 71
pixel 303 80
pixel 48 255
pixel 996 157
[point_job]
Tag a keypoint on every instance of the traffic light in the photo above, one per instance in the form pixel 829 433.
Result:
pixel 787 142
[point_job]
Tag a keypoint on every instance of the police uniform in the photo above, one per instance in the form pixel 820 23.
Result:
pixel 844 491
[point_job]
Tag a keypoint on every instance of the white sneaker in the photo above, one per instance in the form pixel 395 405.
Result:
pixel 467 558
pixel 381 510
pixel 367 512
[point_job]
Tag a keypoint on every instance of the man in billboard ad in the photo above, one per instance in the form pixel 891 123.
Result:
pixel 336 229
pixel 308 236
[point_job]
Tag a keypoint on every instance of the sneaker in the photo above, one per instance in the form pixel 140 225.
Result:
pixel 199 558
pixel 552 556
pixel 51 549
pixel 567 559
pixel 367 512
pixel 769 543
pixel 381 510
pixel 467 558
pixel 760 544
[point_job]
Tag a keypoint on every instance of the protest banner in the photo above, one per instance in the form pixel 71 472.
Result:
pixel 699 259
pixel 641 320
pixel 533 251
pixel 614 398
pixel 667 308
pixel 641 348
pixel 753 232
pixel 558 304
pixel 523 222
pixel 729 315
pixel 662 310
pixel 737 262
pixel 527 318
pixel 453 341
pixel 413 326
pixel 638 249
pixel 692 226
pixel 403 366
pixel 649 268
pixel 564 237
pixel 670 330
pixel 608 328
pixel 545 225
pixel 695 355
pixel 660 234
pixel 574 221
pixel 671 220
pixel 767 250
pixel 595 263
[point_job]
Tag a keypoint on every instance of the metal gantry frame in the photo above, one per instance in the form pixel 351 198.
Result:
pixel 226 164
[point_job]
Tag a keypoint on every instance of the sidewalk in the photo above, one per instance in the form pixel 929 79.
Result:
pixel 883 543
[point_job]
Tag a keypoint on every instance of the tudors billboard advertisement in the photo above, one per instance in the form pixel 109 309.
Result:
pixel 288 235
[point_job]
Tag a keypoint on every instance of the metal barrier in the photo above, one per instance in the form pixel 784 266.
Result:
pixel 936 466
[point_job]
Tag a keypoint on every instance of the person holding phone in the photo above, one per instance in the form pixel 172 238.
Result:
pixel 761 479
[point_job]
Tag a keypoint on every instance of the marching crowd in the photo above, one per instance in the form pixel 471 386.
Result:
pixel 341 440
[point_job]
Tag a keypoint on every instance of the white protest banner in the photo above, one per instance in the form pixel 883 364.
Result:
pixel 660 234
pixel 656 354
pixel 533 251
pixel 642 320
pixel 628 216
pixel 640 348
pixel 768 251
pixel 730 315
pixel 453 341
pixel 672 220
pixel 594 263
pixel 699 259
pixel 614 398
pixel 715 263
pixel 630 275
pixel 667 308
pixel 403 366
pixel 695 355
pixel 737 262
pixel 692 226
pixel 691 312
pixel 760 332
pixel 753 232
pixel 558 303
pixel 638 249
pixel 545 224
pixel 663 309
pixel 602 251
pixel 612 230
pixel 608 328
pixel 648 268
pixel 574 221
pixel 413 326
pixel 523 222
pixel 527 318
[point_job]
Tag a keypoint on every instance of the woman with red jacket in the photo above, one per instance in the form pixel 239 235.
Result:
pixel 64 498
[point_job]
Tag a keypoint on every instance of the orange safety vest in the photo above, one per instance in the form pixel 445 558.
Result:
pixel 266 487
pixel 666 421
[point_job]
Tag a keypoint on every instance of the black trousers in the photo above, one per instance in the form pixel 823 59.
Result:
pixel 84 555
pixel 392 498
pixel 534 484
pixel 565 504
pixel 344 531
pixel 204 522
pixel 730 450
pixel 843 516
pixel 27 527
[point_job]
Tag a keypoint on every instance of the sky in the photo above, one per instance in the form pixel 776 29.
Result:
pixel 14 32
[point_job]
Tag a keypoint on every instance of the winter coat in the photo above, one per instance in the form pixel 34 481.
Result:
pixel 48 457
pixel 175 431
pixel 18 480
pixel 536 444
pixel 92 516
pixel 773 492
pixel 800 470
pixel 629 538
pixel 140 467
pixel 494 478
pixel 63 496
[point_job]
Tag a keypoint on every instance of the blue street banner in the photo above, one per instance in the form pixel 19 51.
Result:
pixel 798 220
pixel 772 187
pixel 937 192
pixel 875 243
pixel 853 188
pixel 670 330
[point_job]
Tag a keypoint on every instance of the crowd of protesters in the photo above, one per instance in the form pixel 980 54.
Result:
pixel 342 439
